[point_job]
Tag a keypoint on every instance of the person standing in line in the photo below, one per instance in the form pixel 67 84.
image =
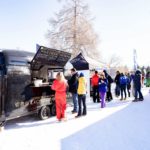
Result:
pixel 94 82
pixel 73 85
pixel 143 78
pixel 132 74
pixel 137 86
pixel 128 84
pixel 59 86
pixel 117 88
pixel 148 79
pixel 82 89
pixel 123 85
pixel 102 89
pixel 110 81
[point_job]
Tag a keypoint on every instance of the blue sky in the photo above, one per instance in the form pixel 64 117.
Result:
pixel 122 25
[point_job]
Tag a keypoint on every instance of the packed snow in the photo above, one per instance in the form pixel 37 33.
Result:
pixel 122 125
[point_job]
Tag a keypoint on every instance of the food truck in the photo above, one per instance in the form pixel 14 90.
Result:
pixel 25 82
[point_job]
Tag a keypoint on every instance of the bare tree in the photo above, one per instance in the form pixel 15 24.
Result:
pixel 114 61
pixel 71 30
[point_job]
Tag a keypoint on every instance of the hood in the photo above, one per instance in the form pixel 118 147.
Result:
pixel 138 72
pixel 81 74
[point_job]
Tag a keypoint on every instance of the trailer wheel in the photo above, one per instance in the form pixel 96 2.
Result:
pixel 53 109
pixel 44 113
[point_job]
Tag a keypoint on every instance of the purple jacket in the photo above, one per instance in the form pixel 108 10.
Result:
pixel 102 86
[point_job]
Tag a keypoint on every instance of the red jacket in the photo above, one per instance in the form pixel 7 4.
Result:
pixel 94 80
pixel 59 87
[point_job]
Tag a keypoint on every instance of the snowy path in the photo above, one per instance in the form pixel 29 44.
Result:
pixel 120 126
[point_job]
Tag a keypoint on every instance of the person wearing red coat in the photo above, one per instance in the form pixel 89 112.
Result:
pixel 59 86
pixel 94 82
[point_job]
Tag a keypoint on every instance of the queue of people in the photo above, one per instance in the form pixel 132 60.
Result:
pixel 77 87
pixel 101 84
pixel 125 83
pixel 129 82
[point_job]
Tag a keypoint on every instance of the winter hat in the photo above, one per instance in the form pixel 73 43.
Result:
pixel 105 72
pixel 138 72
pixel 81 74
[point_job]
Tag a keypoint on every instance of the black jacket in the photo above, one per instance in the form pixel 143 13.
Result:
pixel 137 80
pixel 117 78
pixel 108 77
pixel 73 83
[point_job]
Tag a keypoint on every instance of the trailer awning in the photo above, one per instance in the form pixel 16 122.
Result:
pixel 47 56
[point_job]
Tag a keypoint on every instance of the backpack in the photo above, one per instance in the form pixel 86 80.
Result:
pixel 123 80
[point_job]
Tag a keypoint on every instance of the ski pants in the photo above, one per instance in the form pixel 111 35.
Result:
pixel 60 105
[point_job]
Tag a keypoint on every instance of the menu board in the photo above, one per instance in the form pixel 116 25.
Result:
pixel 51 57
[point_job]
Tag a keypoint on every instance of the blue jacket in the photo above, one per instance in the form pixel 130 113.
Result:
pixel 123 80
pixel 102 86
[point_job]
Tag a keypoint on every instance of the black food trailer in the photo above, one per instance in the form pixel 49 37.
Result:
pixel 25 82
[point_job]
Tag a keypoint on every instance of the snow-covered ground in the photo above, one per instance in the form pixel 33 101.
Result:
pixel 122 125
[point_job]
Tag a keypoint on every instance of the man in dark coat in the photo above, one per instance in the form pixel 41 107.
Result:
pixel 137 85
pixel 110 81
pixel 73 85
pixel 117 88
